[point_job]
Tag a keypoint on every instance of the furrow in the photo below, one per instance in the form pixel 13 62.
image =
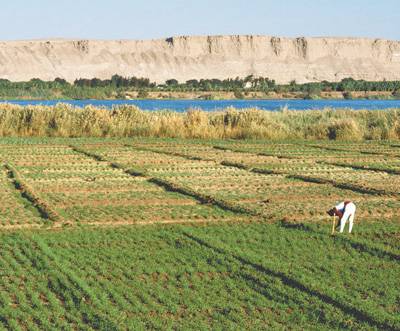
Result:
pixel 46 211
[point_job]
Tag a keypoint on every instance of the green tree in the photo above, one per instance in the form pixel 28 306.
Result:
pixel 171 82
pixel 61 81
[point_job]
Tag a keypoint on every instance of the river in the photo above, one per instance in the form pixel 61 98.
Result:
pixel 211 105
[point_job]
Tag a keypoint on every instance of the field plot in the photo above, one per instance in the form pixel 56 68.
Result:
pixel 181 277
pixel 217 173
pixel 335 180
pixel 81 190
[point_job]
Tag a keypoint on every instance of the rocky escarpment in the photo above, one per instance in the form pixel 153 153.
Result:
pixel 184 58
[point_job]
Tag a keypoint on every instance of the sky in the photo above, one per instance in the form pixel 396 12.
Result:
pixel 149 19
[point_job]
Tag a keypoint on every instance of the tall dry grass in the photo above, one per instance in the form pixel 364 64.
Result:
pixel 64 120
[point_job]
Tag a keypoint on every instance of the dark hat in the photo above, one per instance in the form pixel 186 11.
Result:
pixel 331 212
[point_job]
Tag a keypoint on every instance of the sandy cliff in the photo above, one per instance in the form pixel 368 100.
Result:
pixel 183 58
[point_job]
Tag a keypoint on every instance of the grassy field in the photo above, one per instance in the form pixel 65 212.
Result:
pixel 197 234
pixel 63 120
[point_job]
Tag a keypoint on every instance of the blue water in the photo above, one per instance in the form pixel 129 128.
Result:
pixel 210 105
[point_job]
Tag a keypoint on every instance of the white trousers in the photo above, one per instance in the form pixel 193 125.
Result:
pixel 349 213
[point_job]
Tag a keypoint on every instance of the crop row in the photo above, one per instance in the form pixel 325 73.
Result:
pixel 384 164
pixel 287 150
pixel 365 148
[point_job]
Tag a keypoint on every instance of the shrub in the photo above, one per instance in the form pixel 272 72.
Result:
pixel 120 95
pixel 378 127
pixel 347 95
pixel 238 94
pixel 344 129
pixel 310 96
pixel 207 97
pixel 143 94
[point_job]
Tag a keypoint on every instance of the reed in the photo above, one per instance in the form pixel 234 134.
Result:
pixel 64 120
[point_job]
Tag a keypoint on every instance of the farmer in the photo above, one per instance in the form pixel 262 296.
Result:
pixel 345 211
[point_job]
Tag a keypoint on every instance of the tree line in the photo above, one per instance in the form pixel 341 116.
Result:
pixel 83 88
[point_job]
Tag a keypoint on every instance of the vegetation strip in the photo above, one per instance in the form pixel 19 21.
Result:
pixel 336 149
pixel 223 148
pixel 173 187
pixel 361 167
pixel 297 285
pixel 45 210
pixel 161 222
pixel 238 87
pixel 188 157
pixel 64 120
pixel 345 186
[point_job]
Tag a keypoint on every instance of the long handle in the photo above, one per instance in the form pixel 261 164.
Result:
pixel 333 225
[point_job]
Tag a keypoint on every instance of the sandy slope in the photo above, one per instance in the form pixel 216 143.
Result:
pixel 183 58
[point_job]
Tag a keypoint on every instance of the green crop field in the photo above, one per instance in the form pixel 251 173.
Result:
pixel 135 234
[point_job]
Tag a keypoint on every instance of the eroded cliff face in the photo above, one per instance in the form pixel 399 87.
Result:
pixel 184 58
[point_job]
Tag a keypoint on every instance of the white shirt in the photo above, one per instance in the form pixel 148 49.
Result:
pixel 350 207
pixel 340 207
